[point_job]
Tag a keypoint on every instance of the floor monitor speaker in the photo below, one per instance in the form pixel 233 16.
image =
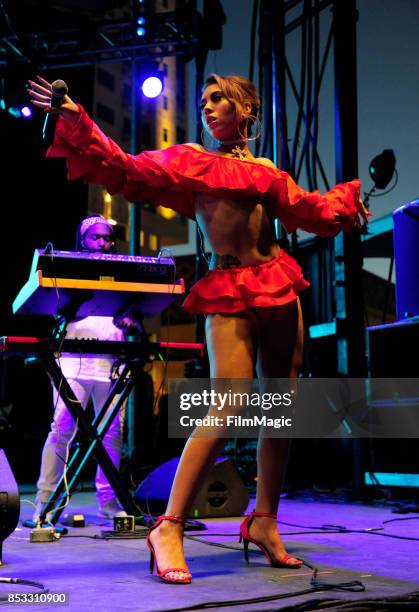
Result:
pixel 9 501
pixel 222 493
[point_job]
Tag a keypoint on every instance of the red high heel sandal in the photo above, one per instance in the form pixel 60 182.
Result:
pixel 245 536
pixel 163 574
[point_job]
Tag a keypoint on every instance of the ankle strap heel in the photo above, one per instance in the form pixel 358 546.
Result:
pixel 173 518
pixel 272 516
pixel 245 537
pixel 185 576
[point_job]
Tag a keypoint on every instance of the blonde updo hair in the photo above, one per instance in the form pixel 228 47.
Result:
pixel 239 91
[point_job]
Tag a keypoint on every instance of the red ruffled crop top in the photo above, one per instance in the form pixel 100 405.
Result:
pixel 171 177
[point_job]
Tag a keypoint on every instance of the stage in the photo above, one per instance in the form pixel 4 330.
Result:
pixel 113 575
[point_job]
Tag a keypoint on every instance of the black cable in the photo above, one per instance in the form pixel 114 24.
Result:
pixel 382 604
pixel 296 139
pixel 320 284
pixel 315 109
pixel 378 195
pixel 366 317
pixel 387 288
pixel 308 17
pixel 300 99
pixel 266 137
pixel 305 61
pixel 112 535
pixel 352 586
pixel 342 529
pixel 404 518
pixel 23 582
pixel 317 93
pixel 253 39
pixel 355 586
pixel 238 602
pixel 264 88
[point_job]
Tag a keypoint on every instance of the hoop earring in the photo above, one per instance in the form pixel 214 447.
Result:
pixel 254 119
pixel 209 141
pixel 256 122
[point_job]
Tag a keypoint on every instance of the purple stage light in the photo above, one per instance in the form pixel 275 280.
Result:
pixel 152 87
pixel 26 112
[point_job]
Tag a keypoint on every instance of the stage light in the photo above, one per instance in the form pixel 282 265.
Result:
pixel 141 17
pixel 26 112
pixel 17 111
pixel 152 86
pixel 141 31
pixel 382 168
pixel 14 111
pixel 166 213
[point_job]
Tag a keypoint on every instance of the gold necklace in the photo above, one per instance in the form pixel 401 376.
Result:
pixel 238 153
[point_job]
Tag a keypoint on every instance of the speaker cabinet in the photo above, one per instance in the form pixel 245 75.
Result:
pixel 9 501
pixel 406 255
pixel 222 493
pixel 393 349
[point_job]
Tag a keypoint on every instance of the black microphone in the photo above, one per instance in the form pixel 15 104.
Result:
pixel 59 90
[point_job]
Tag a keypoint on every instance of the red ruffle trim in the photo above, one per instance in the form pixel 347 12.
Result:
pixel 273 283
pixel 173 176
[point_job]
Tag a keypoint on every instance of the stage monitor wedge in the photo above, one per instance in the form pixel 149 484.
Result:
pixel 9 501
pixel 222 493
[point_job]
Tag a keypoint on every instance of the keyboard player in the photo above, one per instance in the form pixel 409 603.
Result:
pixel 89 377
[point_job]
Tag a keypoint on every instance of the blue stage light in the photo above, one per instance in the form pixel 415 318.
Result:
pixel 14 111
pixel 152 87
pixel 141 17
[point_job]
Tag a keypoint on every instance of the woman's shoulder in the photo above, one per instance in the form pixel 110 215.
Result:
pixel 196 146
pixel 265 161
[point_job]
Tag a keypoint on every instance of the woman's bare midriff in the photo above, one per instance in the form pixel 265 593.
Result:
pixel 241 229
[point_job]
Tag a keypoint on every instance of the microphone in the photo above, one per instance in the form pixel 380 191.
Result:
pixel 59 90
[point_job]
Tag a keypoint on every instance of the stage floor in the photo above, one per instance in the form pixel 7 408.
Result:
pixel 112 575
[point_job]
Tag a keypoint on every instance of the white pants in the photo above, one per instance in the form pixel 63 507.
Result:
pixel 62 429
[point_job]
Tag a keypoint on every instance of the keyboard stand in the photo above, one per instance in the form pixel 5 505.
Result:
pixel 91 436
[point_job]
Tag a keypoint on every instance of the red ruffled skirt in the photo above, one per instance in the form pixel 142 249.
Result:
pixel 272 283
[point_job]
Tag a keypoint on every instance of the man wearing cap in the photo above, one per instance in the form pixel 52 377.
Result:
pixel 89 377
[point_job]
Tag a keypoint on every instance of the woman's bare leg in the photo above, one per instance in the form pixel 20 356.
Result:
pixel 280 356
pixel 230 350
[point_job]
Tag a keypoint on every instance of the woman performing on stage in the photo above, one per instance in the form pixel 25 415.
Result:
pixel 250 294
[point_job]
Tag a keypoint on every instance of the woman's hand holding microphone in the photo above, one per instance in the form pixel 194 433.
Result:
pixel 42 94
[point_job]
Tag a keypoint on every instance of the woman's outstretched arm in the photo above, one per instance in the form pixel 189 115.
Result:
pixel 97 159
pixel 322 214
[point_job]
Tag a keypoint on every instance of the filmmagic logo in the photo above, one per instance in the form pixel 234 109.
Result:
pixel 217 400
pixel 236 421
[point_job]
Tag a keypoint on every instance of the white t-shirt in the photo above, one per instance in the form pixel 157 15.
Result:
pixel 90 367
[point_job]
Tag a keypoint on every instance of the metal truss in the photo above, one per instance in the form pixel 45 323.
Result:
pixel 99 43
